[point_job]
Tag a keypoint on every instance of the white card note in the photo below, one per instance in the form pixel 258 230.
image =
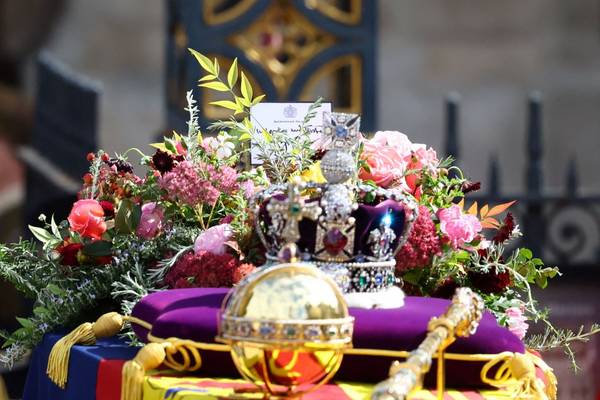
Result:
pixel 287 117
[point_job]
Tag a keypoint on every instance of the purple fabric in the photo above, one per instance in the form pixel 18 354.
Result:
pixel 159 303
pixel 193 314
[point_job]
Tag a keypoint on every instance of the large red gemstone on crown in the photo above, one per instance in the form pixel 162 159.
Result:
pixel 334 241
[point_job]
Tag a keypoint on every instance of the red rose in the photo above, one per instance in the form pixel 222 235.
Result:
pixel 87 219
pixel 108 207
pixel 69 252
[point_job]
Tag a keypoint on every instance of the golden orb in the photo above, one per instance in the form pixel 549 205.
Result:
pixel 287 326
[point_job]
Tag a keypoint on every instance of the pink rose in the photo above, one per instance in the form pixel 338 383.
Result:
pixel 390 155
pixel 397 140
pixel 516 321
pixel 386 166
pixel 87 219
pixel 150 221
pixel 214 239
pixel 460 228
pixel 424 157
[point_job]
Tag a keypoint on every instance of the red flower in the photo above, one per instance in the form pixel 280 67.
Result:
pixel 162 161
pixel 469 187
pixel 103 260
pixel 491 282
pixel 87 219
pixel 422 244
pixel 108 207
pixel 69 253
pixel 243 271
pixel 505 230
pixel 206 269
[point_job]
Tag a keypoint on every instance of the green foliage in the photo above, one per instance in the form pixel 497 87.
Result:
pixel 127 217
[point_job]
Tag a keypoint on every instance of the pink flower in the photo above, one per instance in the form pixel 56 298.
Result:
pixel 150 221
pixel 87 219
pixel 516 321
pixel 214 239
pixel 249 188
pixel 390 155
pixel 225 178
pixel 385 166
pixel 458 227
pixel 422 244
pixel 184 184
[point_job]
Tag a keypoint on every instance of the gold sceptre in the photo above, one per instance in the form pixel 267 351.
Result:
pixel 460 320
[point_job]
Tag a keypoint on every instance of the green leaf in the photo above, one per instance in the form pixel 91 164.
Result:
pixel 216 66
pixel 98 248
pixel 526 253
pixel 54 227
pixel 413 276
pixel 243 101
pixel 246 88
pixel 218 86
pixel 267 136
pixel 170 146
pixel 226 104
pixel 159 146
pixel 257 99
pixel 55 289
pixel 203 61
pixel 128 217
pixel 208 77
pixel 41 234
pixel 25 323
pixel 232 74
pixel 40 311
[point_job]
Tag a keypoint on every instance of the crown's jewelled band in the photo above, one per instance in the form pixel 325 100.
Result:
pixel 294 332
pixel 272 244
pixel 365 277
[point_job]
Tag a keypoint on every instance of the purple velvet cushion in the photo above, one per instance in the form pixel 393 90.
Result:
pixel 193 314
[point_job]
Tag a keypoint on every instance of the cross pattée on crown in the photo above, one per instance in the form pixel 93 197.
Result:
pixel 293 210
pixel 341 129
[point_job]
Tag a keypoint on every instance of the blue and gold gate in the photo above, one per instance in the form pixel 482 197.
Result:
pixel 290 50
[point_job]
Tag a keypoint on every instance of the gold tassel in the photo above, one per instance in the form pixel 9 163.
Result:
pixel 516 372
pixel 149 357
pixel 58 362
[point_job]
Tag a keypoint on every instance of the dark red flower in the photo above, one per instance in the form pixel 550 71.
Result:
pixel 108 207
pixel 469 187
pixel 68 253
pixel 122 166
pixel 446 289
pixel 422 244
pixel 491 282
pixel 162 161
pixel 505 230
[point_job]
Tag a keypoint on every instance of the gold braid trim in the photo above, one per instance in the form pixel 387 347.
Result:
pixel 85 334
